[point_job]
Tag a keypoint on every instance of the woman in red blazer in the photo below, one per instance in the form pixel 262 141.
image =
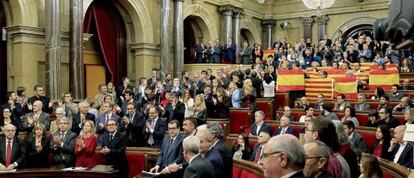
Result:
pixel 85 146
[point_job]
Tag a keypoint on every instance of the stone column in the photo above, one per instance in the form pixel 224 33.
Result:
pixel 269 26
pixel 178 38
pixel 322 21
pixel 165 38
pixel 307 27
pixel 227 12
pixel 237 12
pixel 53 44
pixel 76 69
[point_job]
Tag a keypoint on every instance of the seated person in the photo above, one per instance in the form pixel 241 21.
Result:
pixel 356 140
pixel 384 102
pixel 258 148
pixel 395 95
pixel 373 119
pixel 401 151
pixel 259 125
pixel 406 85
pixel 241 150
pixel 320 100
pixel 284 127
pixel 63 144
pixel 309 113
pixel 326 112
pixel 13 153
pixel 385 115
pixel 349 114
pixel 382 143
pixel 287 112
pixel 405 104
pixel 362 105
pixel 303 103
pixel 341 102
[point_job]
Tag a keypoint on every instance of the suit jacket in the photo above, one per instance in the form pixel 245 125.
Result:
pixel 36 159
pixel 255 149
pixel 358 143
pixel 362 107
pixel 44 118
pixel 64 156
pixel 264 127
pixel 176 113
pixel 116 157
pixel 208 100
pixel 171 155
pixel 77 126
pixel 213 155
pixel 298 175
pixel 199 168
pixel 289 130
pixel 406 157
pixel 102 119
pixel 18 150
pixel 158 134
pixel 226 156
pixel 45 100
pixel 134 130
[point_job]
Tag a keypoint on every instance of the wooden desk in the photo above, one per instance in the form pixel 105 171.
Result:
pixel 50 172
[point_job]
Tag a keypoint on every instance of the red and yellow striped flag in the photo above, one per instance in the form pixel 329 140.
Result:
pixel 387 67
pixel 317 86
pixel 334 73
pixel 267 52
pixel 290 80
pixel 347 86
pixel 383 78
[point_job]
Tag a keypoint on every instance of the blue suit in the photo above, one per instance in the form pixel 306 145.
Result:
pixel 171 153
pixel 289 130
pixel 263 128
pixel 214 157
pixel 103 119
pixel 406 157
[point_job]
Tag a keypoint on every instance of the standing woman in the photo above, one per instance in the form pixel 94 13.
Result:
pixel 188 102
pixel 85 146
pixel 200 110
pixel 38 147
pixel 258 52
pixel 234 93
pixel 221 103
pixel 248 96
pixel 382 143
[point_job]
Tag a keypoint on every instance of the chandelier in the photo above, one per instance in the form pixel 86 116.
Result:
pixel 318 4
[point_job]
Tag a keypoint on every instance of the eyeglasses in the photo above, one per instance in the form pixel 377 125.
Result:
pixel 266 155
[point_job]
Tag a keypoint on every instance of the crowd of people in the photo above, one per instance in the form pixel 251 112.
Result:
pixel 171 114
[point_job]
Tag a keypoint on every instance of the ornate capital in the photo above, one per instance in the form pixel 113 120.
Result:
pixel 269 22
pixel 228 10
pixel 178 0
pixel 322 20
pixel 307 20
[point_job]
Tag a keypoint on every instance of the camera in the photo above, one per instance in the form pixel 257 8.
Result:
pixel 398 27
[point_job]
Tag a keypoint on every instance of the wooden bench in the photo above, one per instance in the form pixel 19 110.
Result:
pixel 246 169
pixel 393 170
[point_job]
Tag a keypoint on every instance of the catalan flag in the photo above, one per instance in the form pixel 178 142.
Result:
pixel 347 86
pixel 383 78
pixel 314 87
pixel 290 80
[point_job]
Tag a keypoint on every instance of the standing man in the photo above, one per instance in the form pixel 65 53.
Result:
pixel 133 123
pixel 154 128
pixel 230 51
pixel 13 151
pixel 198 167
pixel 213 52
pixel 209 152
pixel 80 118
pixel 246 53
pixel 37 116
pixel 113 148
pixel 63 145
pixel 201 49
pixel 100 122
pixel 175 109
pixel 39 95
pixel 218 144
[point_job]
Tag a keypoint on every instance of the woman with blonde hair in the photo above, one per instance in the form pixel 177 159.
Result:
pixel 221 103
pixel 200 110
pixel 234 93
pixel 38 147
pixel 188 102
pixel 370 167
pixel 86 145
pixel 409 116
pixel 248 95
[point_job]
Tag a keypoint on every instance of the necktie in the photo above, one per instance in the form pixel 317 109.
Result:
pixel 283 131
pixel 170 146
pixel 258 154
pixel 150 138
pixel 8 153
pixel 62 135
pixel 107 118
pixel 111 136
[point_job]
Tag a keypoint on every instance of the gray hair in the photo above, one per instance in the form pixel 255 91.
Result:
pixel 216 129
pixel 321 148
pixel 204 129
pixel 291 146
pixel 260 112
pixel 63 119
pixel 191 144
pixel 60 110
pixel 342 136
pixel 84 103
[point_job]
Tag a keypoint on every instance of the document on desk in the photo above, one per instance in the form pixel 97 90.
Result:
pixel 74 169
pixel 149 174
pixel 13 170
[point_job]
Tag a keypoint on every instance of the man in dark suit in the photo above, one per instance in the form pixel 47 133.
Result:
pixel 113 148
pixel 318 159
pixel 209 152
pixel 362 105
pixel 198 166
pixel 154 128
pixel 171 150
pixel 357 142
pixel 39 95
pixel 175 109
pixel 128 98
pixel 100 122
pixel 133 125
pixel 284 127
pixel 151 81
pixel 259 125
pixel 258 148
pixel 62 145
pixel 219 145
pixel 283 156
pixel 80 118
pixel 208 100
pixel 13 151
pixel 120 90
pixel 402 151
pixel 37 116
pixel 201 49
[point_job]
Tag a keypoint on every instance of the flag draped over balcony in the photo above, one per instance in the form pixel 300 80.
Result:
pixel 383 78
pixel 290 80
pixel 347 86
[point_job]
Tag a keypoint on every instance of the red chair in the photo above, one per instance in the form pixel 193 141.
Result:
pixel 239 120
pixel 266 105
pixel 136 163
pixel 248 174
pixel 368 136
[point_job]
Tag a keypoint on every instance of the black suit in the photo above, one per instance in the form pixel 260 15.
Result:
pixel 77 126
pixel 176 113
pixel 64 156
pixel 199 168
pixel 36 159
pixel 171 153
pixel 158 134
pixel 45 101
pixel 116 157
pixel 18 151
pixel 134 130
pixel 226 156
pixel 298 175
pixel 263 128
pixel 208 100
pixel 406 157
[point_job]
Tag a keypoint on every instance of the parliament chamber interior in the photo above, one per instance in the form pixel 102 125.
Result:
pixel 207 88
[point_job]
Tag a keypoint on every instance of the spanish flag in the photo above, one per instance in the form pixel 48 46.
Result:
pixel 334 73
pixel 387 67
pixel 267 52
pixel 347 86
pixel 383 78
pixel 290 80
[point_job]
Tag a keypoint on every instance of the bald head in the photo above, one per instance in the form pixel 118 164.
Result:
pixel 37 106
